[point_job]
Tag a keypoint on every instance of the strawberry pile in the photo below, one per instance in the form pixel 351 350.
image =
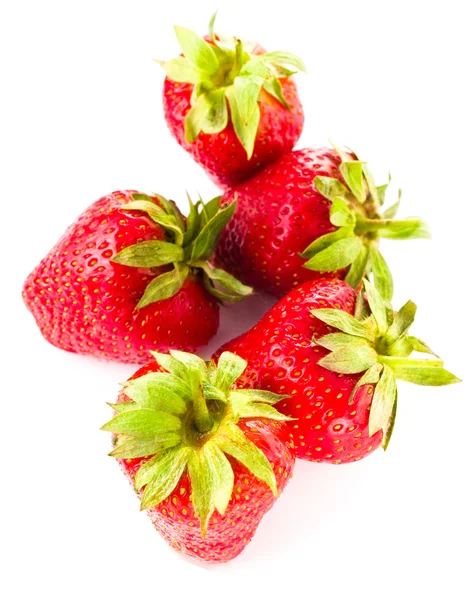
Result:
pixel 208 445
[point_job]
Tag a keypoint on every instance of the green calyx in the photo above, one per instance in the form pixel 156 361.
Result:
pixel 227 75
pixel 189 245
pixel 357 211
pixel 186 419
pixel 377 343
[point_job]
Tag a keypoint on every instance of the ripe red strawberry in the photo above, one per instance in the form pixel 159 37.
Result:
pixel 320 205
pixel 217 73
pixel 130 275
pixel 344 402
pixel 206 460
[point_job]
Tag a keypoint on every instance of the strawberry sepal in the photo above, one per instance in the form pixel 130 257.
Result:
pixel 187 251
pixel 228 79
pixel 356 212
pixel 378 345
pixel 186 419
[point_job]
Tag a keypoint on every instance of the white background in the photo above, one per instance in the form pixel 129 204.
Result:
pixel 81 116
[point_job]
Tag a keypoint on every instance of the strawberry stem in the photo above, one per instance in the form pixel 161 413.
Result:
pixel 412 227
pixel 202 419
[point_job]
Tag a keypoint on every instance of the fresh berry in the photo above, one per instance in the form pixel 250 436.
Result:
pixel 232 105
pixel 132 275
pixel 310 213
pixel 337 370
pixel 207 460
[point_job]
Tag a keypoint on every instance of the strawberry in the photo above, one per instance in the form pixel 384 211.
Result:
pixel 217 73
pixel 131 275
pixel 338 370
pixel 199 452
pixel 321 205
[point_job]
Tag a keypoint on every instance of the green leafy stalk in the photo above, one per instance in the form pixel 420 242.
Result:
pixel 186 251
pixel 377 345
pixel 226 74
pixel 356 204
pixel 183 417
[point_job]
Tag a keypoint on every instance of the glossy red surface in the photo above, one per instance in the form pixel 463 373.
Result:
pixel 279 213
pixel 282 357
